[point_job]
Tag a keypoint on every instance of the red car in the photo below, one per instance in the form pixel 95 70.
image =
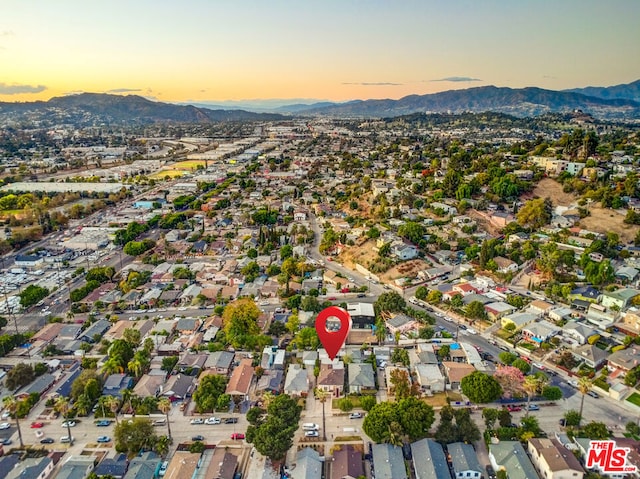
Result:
pixel 511 408
pixel 237 435
pixel 37 425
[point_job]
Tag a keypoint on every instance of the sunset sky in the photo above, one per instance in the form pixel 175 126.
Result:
pixel 215 50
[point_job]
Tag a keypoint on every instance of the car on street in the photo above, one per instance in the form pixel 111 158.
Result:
pixel 231 420
pixel 534 407
pixel 197 421
pixel 538 365
pixel 69 424
pixel 103 423
pixel 47 440
pixel 197 438
pixel 331 298
pixel 362 295
pixel 67 439
pixel 593 394
pixel 237 435
pixel 5 425
pixel 311 434
pixel 163 468
pixel 103 439
pixel 491 474
pixel 37 425
pixel 212 421
pixel 355 415
pixel 562 422
pixel 7 442
pixel 514 408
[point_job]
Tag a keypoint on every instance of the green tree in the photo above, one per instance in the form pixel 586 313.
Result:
pixel 367 402
pixel 378 419
pixel 434 296
pixel 164 406
pixel 595 430
pixel 307 338
pixel 421 293
pixel 273 437
pixel 345 404
pixel 134 435
pixel 168 363
pixel 19 376
pixel 522 365
pixel 210 389
pixel 480 387
pixel 490 416
pixel 535 214
pixel 475 310
pixel 572 418
pixel 507 358
pixel 32 294
pixel 390 302
pixel 415 417
pixel 240 321
pixel 11 405
pixel 552 393
pixel 584 386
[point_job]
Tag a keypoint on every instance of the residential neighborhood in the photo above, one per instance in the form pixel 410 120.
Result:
pixel 166 307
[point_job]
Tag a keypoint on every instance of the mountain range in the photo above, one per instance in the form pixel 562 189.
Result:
pixel 615 102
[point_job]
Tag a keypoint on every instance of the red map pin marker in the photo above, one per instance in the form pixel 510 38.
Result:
pixel 333 340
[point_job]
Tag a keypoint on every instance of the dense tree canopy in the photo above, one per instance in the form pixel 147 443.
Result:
pixel 240 321
pixel 479 387
pixel 410 416
pixel 272 435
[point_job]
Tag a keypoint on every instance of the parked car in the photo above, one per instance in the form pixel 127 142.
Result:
pixel 231 420
pixel 212 420
pixel 197 420
pixel 355 415
pixel 163 468
pixel 103 423
pixel 67 439
pixel 311 434
pixel 534 407
pixel 69 424
pixel 103 439
pixel 562 422
pixel 593 394
pixel 7 442
pixel 539 366
pixel 197 438
pixel 37 425
pixel 237 435
pixel 5 425
pixel 47 440
pixel 491 474
pixel 514 408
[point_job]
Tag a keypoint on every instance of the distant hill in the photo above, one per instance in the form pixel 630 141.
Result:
pixel 87 108
pixel 628 91
pixel 519 102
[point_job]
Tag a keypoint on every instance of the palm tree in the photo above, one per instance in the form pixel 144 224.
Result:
pixel 584 386
pixel 102 402
pixel 126 400
pixel 531 386
pixel 113 403
pixel 322 396
pixel 135 367
pixel 62 406
pixel 83 404
pixel 11 405
pixel 111 366
pixel 164 405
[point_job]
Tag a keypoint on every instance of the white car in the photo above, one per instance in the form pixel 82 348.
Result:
pixel 197 421
pixel 69 424
pixel 311 434
pixel 212 421
pixel 5 425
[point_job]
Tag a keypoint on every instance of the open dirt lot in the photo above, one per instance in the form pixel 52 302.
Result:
pixel 601 220
pixel 364 253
